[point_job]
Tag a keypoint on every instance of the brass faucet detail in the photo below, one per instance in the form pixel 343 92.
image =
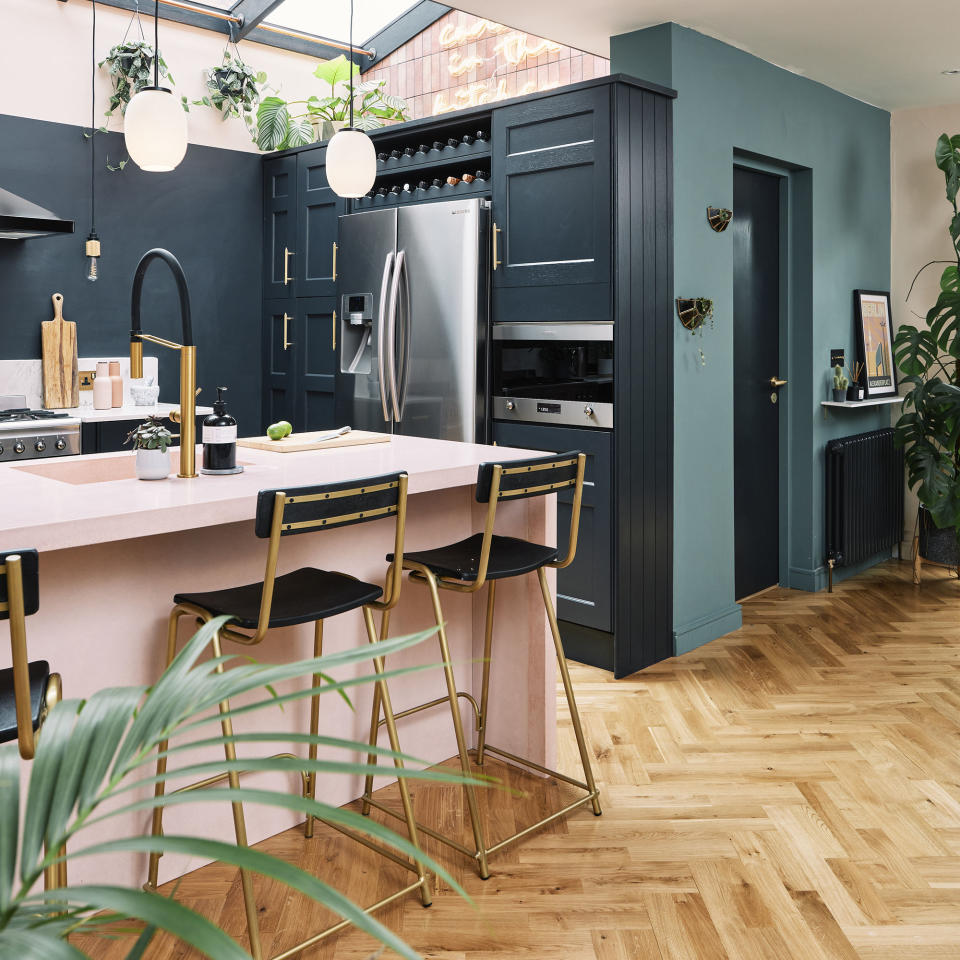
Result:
pixel 186 416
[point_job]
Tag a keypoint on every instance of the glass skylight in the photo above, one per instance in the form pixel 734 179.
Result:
pixel 332 19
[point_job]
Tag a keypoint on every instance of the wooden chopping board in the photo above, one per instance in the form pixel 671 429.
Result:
pixel 302 442
pixel 61 377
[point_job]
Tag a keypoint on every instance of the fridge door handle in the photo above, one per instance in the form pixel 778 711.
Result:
pixel 392 336
pixel 405 355
pixel 381 324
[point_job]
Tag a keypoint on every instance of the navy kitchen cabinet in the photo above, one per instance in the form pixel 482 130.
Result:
pixel 318 207
pixel 585 588
pixel 299 351
pixel 109 436
pixel 279 226
pixel 552 197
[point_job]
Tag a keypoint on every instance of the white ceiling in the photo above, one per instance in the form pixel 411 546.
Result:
pixel 887 52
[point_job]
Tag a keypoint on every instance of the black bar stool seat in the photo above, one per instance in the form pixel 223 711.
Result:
pixel 306 595
pixel 509 557
pixel 39 674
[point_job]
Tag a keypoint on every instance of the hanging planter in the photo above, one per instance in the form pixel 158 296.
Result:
pixel 719 218
pixel 234 88
pixel 693 313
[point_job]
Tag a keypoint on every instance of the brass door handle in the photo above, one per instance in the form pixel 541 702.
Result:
pixel 287 344
pixel 777 382
pixel 334 261
pixel 496 260
pixel 334 329
pixel 286 268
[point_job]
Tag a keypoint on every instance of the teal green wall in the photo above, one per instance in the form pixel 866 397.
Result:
pixel 835 153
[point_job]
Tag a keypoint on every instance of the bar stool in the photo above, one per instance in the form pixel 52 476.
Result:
pixel 303 596
pixel 465 567
pixel 28 690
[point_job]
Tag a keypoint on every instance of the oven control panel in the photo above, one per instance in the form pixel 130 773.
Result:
pixel 33 442
pixel 567 413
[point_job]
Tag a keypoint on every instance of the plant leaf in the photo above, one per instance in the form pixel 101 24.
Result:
pixel 9 820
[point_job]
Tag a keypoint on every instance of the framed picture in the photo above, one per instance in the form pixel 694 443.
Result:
pixel 873 326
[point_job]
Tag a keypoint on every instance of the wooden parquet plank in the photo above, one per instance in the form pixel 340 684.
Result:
pixel 791 790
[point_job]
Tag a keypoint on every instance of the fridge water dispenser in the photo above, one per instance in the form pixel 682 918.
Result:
pixel 356 332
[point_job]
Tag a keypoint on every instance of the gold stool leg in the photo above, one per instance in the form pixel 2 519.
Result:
pixel 485 688
pixel 239 823
pixel 374 727
pixel 425 895
pixel 478 839
pixel 310 780
pixel 568 690
pixel 157 825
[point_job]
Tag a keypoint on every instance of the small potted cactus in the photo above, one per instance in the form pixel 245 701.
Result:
pixel 151 440
pixel 840 384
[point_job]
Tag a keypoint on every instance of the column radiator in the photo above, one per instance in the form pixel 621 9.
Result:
pixel 864 497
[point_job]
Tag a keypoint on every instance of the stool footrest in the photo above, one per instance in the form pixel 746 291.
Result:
pixel 590 796
pixel 371 844
pixel 410 711
pixel 220 777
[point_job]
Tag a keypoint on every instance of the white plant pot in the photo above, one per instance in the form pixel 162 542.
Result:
pixel 153 464
pixel 327 128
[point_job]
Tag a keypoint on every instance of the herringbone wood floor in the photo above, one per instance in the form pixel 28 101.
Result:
pixel 789 791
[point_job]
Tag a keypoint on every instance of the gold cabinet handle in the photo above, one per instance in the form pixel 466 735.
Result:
pixel 287 344
pixel 496 260
pixel 286 265
pixel 334 261
pixel 334 329
pixel 777 382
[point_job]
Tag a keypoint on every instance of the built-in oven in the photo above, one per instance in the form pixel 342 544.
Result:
pixel 559 373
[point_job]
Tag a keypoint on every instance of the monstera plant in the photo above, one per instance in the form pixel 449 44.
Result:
pixel 93 753
pixel 929 357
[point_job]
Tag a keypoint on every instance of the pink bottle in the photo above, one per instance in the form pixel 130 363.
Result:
pixel 102 387
pixel 116 384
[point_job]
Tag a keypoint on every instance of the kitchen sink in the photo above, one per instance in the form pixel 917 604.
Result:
pixel 99 470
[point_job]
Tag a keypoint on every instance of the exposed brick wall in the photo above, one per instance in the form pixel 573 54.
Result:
pixel 463 61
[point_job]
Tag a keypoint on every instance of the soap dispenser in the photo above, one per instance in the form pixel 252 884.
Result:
pixel 220 439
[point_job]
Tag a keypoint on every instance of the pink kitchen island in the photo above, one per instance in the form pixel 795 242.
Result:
pixel 114 550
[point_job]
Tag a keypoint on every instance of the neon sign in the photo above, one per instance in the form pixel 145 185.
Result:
pixel 510 52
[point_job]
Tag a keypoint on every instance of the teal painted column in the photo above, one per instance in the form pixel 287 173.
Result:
pixel 835 154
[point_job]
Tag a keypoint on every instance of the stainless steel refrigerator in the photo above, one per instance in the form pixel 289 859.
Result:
pixel 413 308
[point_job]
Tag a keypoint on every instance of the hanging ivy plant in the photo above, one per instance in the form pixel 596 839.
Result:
pixel 130 65
pixel 233 88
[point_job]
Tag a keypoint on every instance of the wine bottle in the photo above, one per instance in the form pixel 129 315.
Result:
pixel 383 157
pixel 437 145
pixel 467 140
pixel 452 181
pixel 482 175
pixel 395 189
pixel 381 191
pixel 423 148
pixel 435 185
pixel 453 143
pixel 482 136
pixel 395 154
pixel 468 178
pixel 408 151
pixel 423 185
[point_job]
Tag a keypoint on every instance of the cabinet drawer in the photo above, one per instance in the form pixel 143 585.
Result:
pixel 585 588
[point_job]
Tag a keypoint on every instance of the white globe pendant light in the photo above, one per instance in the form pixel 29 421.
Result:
pixel 155 124
pixel 351 160
pixel 351 163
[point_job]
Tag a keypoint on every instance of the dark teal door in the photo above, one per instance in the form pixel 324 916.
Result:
pixel 756 395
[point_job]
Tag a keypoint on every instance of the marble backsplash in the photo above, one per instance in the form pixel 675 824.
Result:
pixel 25 377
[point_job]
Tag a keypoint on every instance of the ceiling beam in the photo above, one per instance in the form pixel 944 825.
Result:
pixel 251 13
pixel 402 30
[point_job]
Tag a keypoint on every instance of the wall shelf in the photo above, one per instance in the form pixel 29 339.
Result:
pixel 854 404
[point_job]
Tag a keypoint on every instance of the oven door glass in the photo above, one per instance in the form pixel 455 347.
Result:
pixel 554 370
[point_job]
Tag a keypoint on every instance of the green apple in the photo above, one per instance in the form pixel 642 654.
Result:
pixel 277 431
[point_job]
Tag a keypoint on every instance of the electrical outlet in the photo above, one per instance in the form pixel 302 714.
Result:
pixel 86 379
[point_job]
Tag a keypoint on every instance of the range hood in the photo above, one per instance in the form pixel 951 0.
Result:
pixel 20 219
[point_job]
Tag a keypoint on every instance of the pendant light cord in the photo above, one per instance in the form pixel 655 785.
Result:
pixel 93 122
pixel 156 43
pixel 350 66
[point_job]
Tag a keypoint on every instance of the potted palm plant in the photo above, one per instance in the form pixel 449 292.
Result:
pixel 929 357
pixel 92 752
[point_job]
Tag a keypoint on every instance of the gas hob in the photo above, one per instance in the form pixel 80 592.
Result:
pixel 33 434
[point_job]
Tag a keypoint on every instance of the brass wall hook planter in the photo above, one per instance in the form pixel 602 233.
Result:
pixel 719 218
pixel 694 311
